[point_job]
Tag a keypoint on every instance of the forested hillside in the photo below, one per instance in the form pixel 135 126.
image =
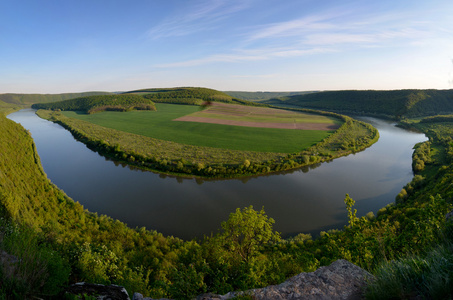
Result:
pixel 75 245
pixel 189 95
pixel 392 104
pixel 94 104
pixel 260 96
pixel 29 99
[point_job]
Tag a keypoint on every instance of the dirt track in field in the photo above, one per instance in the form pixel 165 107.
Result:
pixel 239 110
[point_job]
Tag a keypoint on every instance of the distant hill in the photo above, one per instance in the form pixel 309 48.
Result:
pixel 188 95
pixel 260 96
pixel 394 104
pixel 28 99
pixel 6 108
pixel 98 103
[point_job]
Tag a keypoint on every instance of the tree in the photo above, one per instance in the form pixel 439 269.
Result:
pixel 246 231
pixel 351 212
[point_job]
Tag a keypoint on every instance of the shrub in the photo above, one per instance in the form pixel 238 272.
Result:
pixel 38 270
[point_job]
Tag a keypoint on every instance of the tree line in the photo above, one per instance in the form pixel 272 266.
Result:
pixel 395 104
pixel 99 103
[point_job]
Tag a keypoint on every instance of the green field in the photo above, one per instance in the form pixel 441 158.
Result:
pixel 160 125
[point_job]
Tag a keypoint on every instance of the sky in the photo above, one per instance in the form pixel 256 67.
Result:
pixel 58 46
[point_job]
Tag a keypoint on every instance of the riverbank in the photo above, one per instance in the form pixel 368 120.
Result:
pixel 102 250
pixel 192 161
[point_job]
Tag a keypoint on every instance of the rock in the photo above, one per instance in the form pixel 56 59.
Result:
pixel 101 292
pixel 449 216
pixel 340 280
pixel 9 264
pixel 6 258
pixel 138 296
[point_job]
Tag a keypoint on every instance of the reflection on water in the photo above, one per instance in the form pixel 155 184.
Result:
pixel 301 200
pixel 200 181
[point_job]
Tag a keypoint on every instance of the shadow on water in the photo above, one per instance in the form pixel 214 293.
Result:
pixel 201 180
pixel 308 199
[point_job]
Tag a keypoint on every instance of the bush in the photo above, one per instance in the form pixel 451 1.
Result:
pixel 38 269
pixel 430 277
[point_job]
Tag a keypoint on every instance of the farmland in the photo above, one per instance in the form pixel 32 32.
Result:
pixel 195 149
pixel 161 125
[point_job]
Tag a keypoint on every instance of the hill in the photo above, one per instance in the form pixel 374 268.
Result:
pixel 46 230
pixel 393 104
pixel 29 99
pixel 93 104
pixel 261 96
pixel 99 249
pixel 189 95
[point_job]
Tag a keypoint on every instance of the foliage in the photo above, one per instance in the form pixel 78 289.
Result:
pixel 246 232
pixel 393 104
pixel 421 156
pixel 32 268
pixel 29 99
pixel 260 96
pixel 138 259
pixel 170 157
pixel 94 104
pixel 428 275
pixel 162 125
pixel 159 266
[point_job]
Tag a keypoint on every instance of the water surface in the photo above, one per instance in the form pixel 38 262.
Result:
pixel 299 201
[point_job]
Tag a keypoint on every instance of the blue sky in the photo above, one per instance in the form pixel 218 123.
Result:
pixel 249 45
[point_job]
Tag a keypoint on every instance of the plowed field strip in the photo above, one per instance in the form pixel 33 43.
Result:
pixel 250 116
pixel 300 126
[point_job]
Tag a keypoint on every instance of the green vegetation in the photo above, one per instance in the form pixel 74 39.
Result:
pixel 171 157
pixel 391 104
pixel 95 104
pixel 260 96
pixel 427 275
pixel 29 99
pixel 193 148
pixel 6 108
pixel 96 248
pixel 161 125
pixel 190 96
pixel 407 245
pixel 246 253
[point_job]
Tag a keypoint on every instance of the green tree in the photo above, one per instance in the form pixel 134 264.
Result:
pixel 351 212
pixel 246 231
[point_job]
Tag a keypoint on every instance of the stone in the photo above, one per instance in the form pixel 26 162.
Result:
pixel 341 280
pixel 449 216
pixel 9 264
pixel 101 292
pixel 138 296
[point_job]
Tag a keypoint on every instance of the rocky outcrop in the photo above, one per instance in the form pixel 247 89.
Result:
pixel 138 296
pixel 99 291
pixel 340 280
pixel 9 264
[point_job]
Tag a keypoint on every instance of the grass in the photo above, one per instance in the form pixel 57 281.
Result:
pixel 160 125
pixel 427 276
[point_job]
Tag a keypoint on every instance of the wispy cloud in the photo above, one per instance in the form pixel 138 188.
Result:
pixel 334 30
pixel 202 16
pixel 294 27
pixel 341 28
pixel 273 75
pixel 244 56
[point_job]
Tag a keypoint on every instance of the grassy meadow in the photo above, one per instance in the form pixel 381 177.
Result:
pixel 160 125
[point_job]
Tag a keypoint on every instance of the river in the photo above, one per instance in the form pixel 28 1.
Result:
pixel 301 200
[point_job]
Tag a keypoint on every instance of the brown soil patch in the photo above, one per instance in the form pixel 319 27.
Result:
pixel 240 110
